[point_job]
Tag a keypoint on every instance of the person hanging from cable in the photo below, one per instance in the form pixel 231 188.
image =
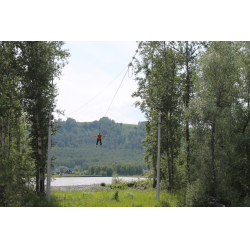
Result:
pixel 99 138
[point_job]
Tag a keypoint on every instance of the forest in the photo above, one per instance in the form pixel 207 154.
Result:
pixel 202 89
pixel 27 93
pixel 76 146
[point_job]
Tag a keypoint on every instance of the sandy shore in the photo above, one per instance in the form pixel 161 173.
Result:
pixel 77 187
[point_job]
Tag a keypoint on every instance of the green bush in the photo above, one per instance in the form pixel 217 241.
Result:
pixel 163 184
pixel 116 180
pixel 115 195
pixel 196 195
pixel 165 203
pixel 129 195
pixel 103 184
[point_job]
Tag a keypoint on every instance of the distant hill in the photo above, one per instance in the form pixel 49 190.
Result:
pixel 76 146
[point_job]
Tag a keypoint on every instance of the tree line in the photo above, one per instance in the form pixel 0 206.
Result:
pixel 116 169
pixel 202 90
pixel 27 97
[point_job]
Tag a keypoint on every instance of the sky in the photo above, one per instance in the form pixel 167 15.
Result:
pixel 92 66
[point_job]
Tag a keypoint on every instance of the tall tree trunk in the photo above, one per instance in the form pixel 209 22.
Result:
pixel 247 144
pixel 170 128
pixel 39 132
pixel 171 152
pixel 9 133
pixel 3 135
pixel 167 124
pixel 213 162
pixel 9 122
pixel 187 104
pixel 17 131
pixel 3 121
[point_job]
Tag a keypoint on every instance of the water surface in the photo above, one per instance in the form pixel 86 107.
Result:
pixel 71 181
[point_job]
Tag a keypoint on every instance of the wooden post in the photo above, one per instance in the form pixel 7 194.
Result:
pixel 49 159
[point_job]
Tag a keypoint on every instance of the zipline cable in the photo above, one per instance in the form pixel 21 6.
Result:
pixel 116 91
pixel 97 94
pixel 114 97
pixel 130 64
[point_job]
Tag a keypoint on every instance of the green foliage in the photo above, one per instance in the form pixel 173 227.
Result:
pixel 219 154
pixel 115 195
pixel 27 98
pixel 203 91
pixel 103 184
pixel 76 146
pixel 77 168
pixel 62 169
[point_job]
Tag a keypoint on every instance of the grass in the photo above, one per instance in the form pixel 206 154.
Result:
pixel 117 194
pixel 114 198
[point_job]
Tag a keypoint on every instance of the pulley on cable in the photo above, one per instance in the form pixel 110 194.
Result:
pixel 129 65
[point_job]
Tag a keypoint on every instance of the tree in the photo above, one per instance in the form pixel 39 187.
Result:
pixel 216 91
pixel 62 169
pixel 159 90
pixel 41 61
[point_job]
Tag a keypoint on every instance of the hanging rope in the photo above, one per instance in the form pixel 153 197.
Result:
pixel 116 92
pixel 113 98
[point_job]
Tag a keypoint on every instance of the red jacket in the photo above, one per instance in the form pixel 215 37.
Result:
pixel 99 137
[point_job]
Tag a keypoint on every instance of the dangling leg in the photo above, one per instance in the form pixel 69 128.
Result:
pixel 101 142
pixel 97 142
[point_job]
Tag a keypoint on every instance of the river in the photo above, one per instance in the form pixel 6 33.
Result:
pixel 71 181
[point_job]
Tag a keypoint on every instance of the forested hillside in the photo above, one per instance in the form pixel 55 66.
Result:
pixel 76 146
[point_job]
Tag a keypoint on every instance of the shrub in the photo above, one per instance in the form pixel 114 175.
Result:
pixel 116 180
pixel 103 184
pixel 115 195
pixel 163 184
pixel 165 203
pixel 196 195
pixel 129 195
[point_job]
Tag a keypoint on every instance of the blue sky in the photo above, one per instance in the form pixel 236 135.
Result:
pixel 92 66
